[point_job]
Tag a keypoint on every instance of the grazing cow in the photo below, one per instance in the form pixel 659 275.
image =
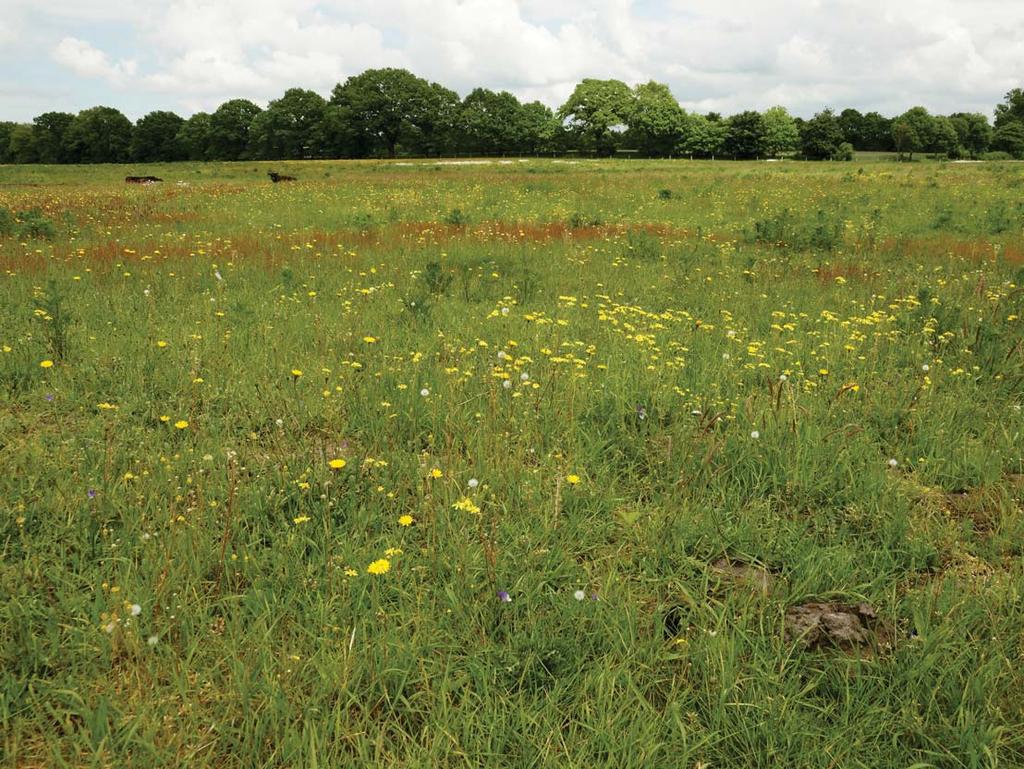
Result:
pixel 276 177
pixel 142 179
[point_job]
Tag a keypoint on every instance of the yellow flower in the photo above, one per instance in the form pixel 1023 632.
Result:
pixel 181 424
pixel 405 520
pixel 436 473
pixel 165 419
pixel 337 464
pixel 161 343
pixel 351 573
pixel 467 505
pixel 300 519
pixel 380 566
pixel 572 479
pixel 369 339
pixel 45 364
pixel 296 373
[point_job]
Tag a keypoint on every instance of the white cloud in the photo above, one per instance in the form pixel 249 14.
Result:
pixel 86 61
pixel 725 55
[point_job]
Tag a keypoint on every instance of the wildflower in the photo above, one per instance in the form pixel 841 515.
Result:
pixel 296 373
pixel 925 368
pixel 467 505
pixel 337 464
pixel 579 595
pixel 181 424
pixel 369 340
pixel 135 609
pixel 351 573
pixel 436 473
pixel 823 371
pixel 507 384
pixel 424 392
pixel 893 462
pixel 755 434
pixel 504 311
pixel 49 397
pixel 91 493
pixel 783 377
pixel 380 566
pixel 153 640
pixel 161 343
pixel 572 479
pixel 164 418
pixel 504 597
pixel 473 483
pixel 405 520
pixel 524 377
pixel 45 364
pixel 300 519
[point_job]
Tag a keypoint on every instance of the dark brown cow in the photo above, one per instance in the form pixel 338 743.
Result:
pixel 276 177
pixel 142 179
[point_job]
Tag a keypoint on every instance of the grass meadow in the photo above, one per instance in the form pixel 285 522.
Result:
pixel 515 464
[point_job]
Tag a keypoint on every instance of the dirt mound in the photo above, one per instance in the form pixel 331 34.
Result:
pixel 823 625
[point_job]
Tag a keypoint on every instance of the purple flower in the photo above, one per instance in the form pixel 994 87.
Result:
pixel 49 397
pixel 91 493
pixel 504 597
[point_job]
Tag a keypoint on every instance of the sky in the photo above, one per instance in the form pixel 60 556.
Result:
pixel 720 55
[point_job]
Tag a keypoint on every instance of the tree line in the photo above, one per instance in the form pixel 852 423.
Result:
pixel 391 112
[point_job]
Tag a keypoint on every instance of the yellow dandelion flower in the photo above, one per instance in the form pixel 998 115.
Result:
pixel 296 373
pixel 467 505
pixel 181 424
pixel 300 519
pixel 351 573
pixel 161 343
pixel 572 479
pixel 370 340
pixel 45 364
pixel 380 566
pixel 436 473
pixel 337 464
pixel 164 418
pixel 405 520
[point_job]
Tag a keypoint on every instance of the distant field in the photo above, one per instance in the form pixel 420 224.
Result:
pixel 527 464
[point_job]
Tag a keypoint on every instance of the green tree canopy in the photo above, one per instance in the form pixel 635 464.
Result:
pixel 701 136
pixel 1012 108
pixel 780 132
pixel 194 137
pixel 21 145
pixel 230 124
pixel 1009 137
pixel 922 134
pixel 50 130
pixel 821 136
pixel 382 107
pixel 597 113
pixel 745 138
pixel 490 122
pixel 973 132
pixel 155 138
pixel 98 135
pixel 655 119
pixel 290 127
